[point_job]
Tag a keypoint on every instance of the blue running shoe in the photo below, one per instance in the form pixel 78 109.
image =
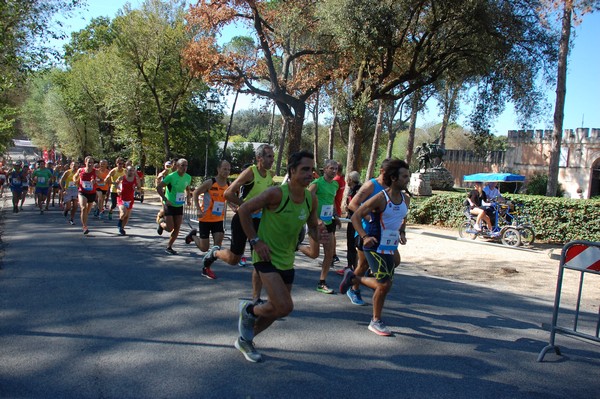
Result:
pixel 355 297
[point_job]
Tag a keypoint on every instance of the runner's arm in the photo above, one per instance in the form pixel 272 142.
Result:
pixel 375 203
pixel 231 194
pixel 270 199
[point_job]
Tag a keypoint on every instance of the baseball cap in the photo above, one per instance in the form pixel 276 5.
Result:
pixel 168 163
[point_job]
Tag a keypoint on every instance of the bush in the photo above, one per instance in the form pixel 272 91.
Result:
pixel 538 184
pixel 556 220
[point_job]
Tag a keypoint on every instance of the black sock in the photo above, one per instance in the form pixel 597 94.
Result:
pixel 321 282
pixel 250 310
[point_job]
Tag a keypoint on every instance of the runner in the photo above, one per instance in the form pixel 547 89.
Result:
pixel 113 175
pixel 367 190
pixel 250 183
pixel 102 188
pixel 15 182
pixel 25 181
pixel 167 170
pixel 211 214
pixel 339 195
pixel 3 179
pixel 42 178
pixel 387 228
pixel 177 194
pixel 57 172
pixel 325 189
pixel 127 185
pixel 70 196
pixel 86 177
pixel 285 211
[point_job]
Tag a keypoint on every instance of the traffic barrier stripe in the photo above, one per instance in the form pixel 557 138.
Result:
pixel 582 257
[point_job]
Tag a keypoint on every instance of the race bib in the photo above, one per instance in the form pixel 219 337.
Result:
pixel 389 240
pixel 100 182
pixel 180 198
pixel 16 182
pixel 217 208
pixel 41 180
pixel 71 184
pixel 87 185
pixel 326 213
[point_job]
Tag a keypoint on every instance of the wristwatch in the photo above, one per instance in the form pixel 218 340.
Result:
pixel 253 241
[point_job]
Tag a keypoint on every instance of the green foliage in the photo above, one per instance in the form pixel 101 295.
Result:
pixel 557 220
pixel 537 185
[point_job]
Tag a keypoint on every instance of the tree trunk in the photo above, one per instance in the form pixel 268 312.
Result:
pixel 331 134
pixel 412 126
pixel 295 125
pixel 353 158
pixel 316 121
pixel 270 140
pixel 448 110
pixel 237 93
pixel 561 92
pixel 281 146
pixel 375 146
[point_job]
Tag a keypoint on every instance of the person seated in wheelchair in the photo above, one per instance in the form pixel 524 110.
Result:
pixel 478 205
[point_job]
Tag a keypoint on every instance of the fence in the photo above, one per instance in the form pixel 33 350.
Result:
pixel 584 257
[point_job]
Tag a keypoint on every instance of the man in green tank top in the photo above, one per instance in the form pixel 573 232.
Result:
pixel 177 194
pixel 325 188
pixel 285 211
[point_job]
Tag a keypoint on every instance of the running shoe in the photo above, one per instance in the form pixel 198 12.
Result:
pixel 379 328
pixel 242 262
pixel 346 281
pixel 159 229
pixel 122 231
pixel 71 222
pixel 85 231
pixel 188 238
pixel 210 257
pixel 355 297
pixel 323 288
pixel 246 321
pixel 208 273
pixel 336 259
pixel 248 350
pixel 340 272
pixel 170 251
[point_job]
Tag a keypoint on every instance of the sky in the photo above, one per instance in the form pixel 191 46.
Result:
pixel 582 105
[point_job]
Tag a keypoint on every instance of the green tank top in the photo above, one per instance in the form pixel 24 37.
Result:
pixel 257 185
pixel 279 228
pixel 176 186
pixel 326 195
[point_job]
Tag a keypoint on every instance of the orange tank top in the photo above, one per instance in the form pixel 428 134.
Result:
pixel 216 206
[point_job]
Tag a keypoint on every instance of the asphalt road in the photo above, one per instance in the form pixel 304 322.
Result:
pixel 106 316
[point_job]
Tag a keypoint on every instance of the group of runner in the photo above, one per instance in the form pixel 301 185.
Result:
pixel 77 187
pixel 273 219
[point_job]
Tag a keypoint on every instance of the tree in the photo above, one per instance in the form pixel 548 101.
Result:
pixel 291 60
pixel 397 47
pixel 26 27
pixel 151 40
pixel 569 9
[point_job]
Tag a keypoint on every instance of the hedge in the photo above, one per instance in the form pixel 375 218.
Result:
pixel 555 220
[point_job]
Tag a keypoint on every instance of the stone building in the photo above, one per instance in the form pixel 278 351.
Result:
pixel 528 153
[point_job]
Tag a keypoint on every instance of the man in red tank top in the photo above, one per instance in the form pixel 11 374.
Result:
pixel 126 188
